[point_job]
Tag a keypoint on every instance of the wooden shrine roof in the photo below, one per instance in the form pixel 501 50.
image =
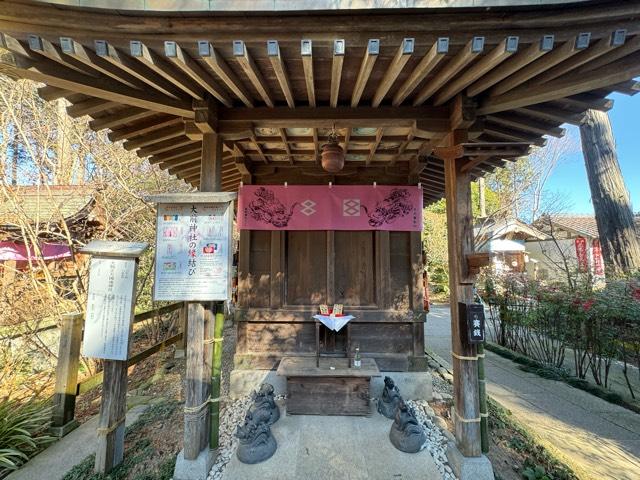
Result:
pixel 394 83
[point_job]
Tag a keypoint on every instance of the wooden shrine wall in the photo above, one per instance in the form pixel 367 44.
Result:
pixel 284 277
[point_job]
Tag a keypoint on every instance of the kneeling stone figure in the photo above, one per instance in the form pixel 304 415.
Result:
pixel 388 404
pixel 406 434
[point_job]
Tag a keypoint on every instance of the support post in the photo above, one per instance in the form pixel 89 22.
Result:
pixel 63 417
pixel 466 456
pixel 111 429
pixel 181 348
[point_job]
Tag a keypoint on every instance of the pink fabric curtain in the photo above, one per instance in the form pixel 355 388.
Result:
pixel 321 207
pixel 18 251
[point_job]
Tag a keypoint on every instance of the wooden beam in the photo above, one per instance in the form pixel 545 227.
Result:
pixel 44 47
pixel 347 138
pixel 306 50
pixel 157 136
pixel 52 93
pixel 124 62
pixel 256 144
pixel 434 119
pixel 571 84
pixel 431 59
pixel 602 47
pixel 283 136
pixel 190 67
pixel 82 54
pixel 182 160
pixel 336 71
pixel 280 70
pixel 215 61
pixel 473 48
pixel 585 101
pixel 366 66
pixel 520 60
pixel 251 71
pixel 374 146
pixel 177 153
pixel 499 54
pixel 316 147
pixel 513 135
pixel 402 148
pixel 89 107
pixel 402 56
pixel 125 115
pixel 473 162
pixel 165 146
pixel 629 47
pixel 159 64
pixel 548 61
pixel 143 128
pixel 551 115
pixel 526 124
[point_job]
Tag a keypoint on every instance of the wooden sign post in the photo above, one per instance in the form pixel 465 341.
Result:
pixel 109 317
pixel 194 257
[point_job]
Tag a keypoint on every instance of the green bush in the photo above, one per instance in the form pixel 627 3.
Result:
pixel 23 429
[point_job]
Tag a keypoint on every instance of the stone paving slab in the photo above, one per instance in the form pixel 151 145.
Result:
pixel 335 448
pixel 56 461
pixel 600 440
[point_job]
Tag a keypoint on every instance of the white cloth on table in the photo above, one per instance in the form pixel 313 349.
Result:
pixel 334 323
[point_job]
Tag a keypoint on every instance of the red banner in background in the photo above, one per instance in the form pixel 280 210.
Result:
pixel 324 207
pixel 581 254
pixel 598 260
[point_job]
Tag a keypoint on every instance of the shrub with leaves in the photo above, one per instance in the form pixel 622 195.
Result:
pixel 23 429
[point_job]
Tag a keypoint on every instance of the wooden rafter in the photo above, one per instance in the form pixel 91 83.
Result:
pixel 547 114
pixel 280 70
pixel 499 54
pixel 306 50
pixel 402 56
pixel 176 153
pixel 472 49
pixel 159 64
pixel 431 59
pixel 82 54
pixel 257 146
pixel 347 138
pixel 44 47
pixel 366 66
pixel 504 70
pixel 402 148
pixel 155 136
pixel 166 146
pixel 550 60
pixel 142 128
pixel 336 71
pixel 89 106
pixel 190 67
pixel 283 136
pixel 52 93
pixel 124 62
pixel 374 146
pixel 316 146
pixel 526 124
pixel 220 67
pixel 251 70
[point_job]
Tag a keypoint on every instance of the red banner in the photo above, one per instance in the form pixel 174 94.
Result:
pixel 581 254
pixel 598 260
pixel 324 207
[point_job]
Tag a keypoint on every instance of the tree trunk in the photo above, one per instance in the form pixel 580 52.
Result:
pixel 64 153
pixel 618 236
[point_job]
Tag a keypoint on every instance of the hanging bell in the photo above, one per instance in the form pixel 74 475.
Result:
pixel 332 155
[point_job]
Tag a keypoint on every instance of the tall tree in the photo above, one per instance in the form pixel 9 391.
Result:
pixel 611 204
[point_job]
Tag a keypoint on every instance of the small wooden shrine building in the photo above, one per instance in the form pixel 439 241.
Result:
pixel 436 93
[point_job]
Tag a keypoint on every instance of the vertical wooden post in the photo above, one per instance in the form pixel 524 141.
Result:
pixel 63 421
pixel 465 369
pixel 181 347
pixel 111 428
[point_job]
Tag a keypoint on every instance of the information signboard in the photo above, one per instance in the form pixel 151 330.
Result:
pixel 109 308
pixel 193 252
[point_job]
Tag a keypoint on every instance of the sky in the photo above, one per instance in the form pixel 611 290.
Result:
pixel 570 178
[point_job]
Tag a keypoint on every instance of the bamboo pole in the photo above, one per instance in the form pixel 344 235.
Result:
pixel 216 375
pixel 484 412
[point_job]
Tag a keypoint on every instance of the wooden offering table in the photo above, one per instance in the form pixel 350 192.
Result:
pixel 332 387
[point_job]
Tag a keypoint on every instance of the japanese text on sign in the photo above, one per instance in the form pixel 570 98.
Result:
pixel 109 308
pixel 193 252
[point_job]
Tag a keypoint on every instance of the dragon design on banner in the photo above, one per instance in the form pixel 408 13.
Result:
pixel 397 204
pixel 268 209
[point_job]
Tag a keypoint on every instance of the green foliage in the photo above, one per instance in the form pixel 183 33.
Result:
pixel 22 432
pixel 536 472
pixel 141 450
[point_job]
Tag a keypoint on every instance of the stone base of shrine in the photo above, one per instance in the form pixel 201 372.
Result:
pixel 469 468
pixel 197 469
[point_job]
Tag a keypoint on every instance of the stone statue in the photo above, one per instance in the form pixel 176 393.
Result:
pixel 256 442
pixel 264 407
pixel 406 434
pixel 388 404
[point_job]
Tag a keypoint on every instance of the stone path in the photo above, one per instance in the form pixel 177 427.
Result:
pixel 56 461
pixel 597 439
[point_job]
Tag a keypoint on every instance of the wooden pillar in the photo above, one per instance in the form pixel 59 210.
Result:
pixel 464 354
pixel 111 427
pixel 200 328
pixel 63 421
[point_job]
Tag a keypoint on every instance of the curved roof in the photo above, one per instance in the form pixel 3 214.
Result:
pixel 394 83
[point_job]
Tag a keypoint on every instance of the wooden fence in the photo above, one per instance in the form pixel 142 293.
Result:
pixel 67 386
